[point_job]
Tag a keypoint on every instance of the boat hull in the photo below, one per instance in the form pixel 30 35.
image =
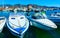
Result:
pixel 2 23
pixel 42 25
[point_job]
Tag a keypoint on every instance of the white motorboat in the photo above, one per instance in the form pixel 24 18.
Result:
pixel 2 23
pixel 42 23
pixel 17 24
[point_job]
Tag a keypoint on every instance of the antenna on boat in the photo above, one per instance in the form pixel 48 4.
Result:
pixel 3 4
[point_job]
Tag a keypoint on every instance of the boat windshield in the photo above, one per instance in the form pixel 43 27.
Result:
pixel 38 15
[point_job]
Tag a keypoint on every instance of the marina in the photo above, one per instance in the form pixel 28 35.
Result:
pixel 29 19
pixel 35 18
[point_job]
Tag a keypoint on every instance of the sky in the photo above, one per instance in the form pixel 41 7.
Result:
pixel 38 2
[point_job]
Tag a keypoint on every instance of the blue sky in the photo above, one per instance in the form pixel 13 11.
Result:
pixel 38 2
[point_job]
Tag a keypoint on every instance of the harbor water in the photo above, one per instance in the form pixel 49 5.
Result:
pixel 32 32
